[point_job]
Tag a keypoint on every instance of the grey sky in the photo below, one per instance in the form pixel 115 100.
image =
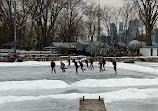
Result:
pixel 115 3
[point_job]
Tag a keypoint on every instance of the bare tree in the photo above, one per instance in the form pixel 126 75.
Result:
pixel 107 17
pixel 23 15
pixel 7 18
pixel 116 19
pixel 91 20
pixel 148 13
pixel 45 13
pixel 70 20
pixel 128 13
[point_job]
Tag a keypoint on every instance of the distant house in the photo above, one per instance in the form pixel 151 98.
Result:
pixel 104 39
pixel 136 44
pixel 156 36
pixel 64 48
pixel 149 51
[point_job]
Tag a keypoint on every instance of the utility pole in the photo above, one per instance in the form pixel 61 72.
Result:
pixel 15 29
pixel 1 29
pixel 99 27
pixel 99 14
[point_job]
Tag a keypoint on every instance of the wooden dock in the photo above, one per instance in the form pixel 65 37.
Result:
pixel 92 105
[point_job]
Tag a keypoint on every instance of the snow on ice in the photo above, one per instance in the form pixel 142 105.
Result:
pixel 114 88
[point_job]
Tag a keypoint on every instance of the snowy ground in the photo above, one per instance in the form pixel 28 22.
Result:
pixel 30 86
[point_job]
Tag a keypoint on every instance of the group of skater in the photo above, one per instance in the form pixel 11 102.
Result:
pixel 102 63
pixel 79 63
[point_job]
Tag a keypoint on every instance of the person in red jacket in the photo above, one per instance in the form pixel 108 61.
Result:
pixel 100 63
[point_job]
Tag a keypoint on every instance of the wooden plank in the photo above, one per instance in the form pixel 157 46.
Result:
pixel 92 105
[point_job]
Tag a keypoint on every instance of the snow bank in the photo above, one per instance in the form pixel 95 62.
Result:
pixel 138 68
pixel 29 63
pixel 32 85
pixel 115 82
pixel 122 95
pixel 89 83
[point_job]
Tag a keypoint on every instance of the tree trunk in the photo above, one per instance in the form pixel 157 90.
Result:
pixel 149 36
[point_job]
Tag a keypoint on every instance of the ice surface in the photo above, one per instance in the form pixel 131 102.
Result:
pixel 116 82
pixel 31 86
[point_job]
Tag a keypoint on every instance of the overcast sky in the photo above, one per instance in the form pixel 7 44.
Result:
pixel 115 3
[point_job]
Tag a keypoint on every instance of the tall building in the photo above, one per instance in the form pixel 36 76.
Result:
pixel 121 32
pixel 156 35
pixel 113 32
pixel 133 30
pixel 120 27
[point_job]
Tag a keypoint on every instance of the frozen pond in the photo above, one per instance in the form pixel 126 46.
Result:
pixel 31 86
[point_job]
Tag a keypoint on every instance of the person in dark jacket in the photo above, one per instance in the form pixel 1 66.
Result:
pixel 86 62
pixel 76 65
pixel 62 66
pixel 91 63
pixel 81 65
pixel 68 63
pixel 53 66
pixel 103 63
pixel 114 64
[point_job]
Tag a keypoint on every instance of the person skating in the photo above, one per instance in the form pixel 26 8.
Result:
pixel 68 63
pixel 114 64
pixel 100 65
pixel 91 63
pixel 62 66
pixel 103 64
pixel 86 62
pixel 76 65
pixel 53 66
pixel 81 65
